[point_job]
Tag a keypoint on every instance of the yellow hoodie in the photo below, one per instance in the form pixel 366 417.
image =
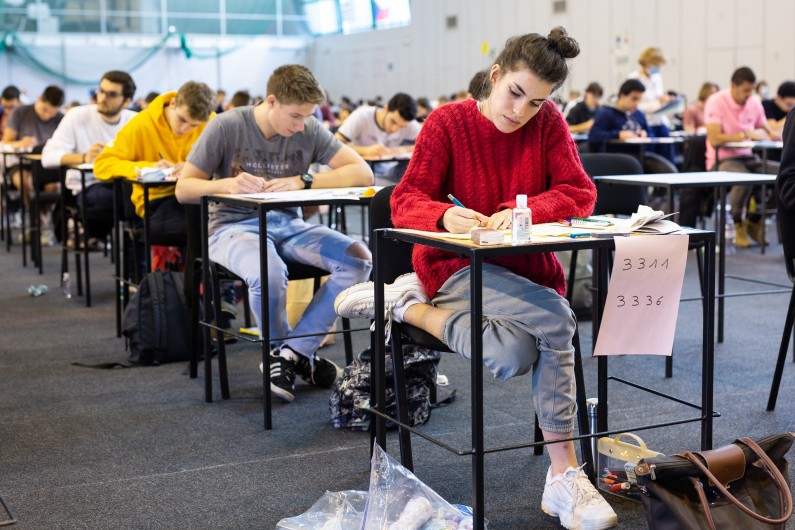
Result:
pixel 143 142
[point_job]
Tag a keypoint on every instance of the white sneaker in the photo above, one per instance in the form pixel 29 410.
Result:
pixel 571 497
pixel 358 301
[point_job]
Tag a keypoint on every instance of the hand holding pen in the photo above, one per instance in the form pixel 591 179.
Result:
pixel 460 219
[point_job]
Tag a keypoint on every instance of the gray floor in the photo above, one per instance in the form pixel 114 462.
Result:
pixel 139 448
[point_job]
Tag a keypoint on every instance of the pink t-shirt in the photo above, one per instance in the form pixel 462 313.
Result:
pixel 721 109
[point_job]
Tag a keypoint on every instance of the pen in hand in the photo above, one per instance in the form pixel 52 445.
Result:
pixel 455 201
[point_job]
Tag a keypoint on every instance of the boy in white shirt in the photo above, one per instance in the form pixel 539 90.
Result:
pixel 81 136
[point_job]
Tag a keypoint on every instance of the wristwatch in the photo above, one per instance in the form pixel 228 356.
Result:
pixel 308 180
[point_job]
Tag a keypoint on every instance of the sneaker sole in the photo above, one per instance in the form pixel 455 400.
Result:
pixel 364 291
pixel 584 525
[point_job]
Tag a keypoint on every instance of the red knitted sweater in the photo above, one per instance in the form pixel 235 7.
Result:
pixel 460 151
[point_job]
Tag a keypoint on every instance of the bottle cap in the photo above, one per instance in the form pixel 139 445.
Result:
pixel 521 201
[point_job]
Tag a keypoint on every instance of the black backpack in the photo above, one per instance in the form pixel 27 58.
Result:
pixel 157 322
pixel 351 394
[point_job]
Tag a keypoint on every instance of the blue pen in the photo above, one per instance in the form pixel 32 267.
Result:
pixel 455 201
pixel 581 234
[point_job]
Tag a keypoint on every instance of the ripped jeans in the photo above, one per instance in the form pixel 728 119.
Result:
pixel 290 239
pixel 525 326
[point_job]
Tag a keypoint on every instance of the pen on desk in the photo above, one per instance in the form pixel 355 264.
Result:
pixel 609 234
pixel 575 220
pixel 455 201
pixel 581 234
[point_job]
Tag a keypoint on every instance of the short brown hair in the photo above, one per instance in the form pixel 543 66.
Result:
pixel 198 98
pixel 651 57
pixel 295 84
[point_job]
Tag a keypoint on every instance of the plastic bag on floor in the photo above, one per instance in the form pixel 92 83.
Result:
pixel 398 500
pixel 341 510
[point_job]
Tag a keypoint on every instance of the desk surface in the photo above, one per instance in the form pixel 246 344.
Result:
pixel 301 197
pixel 695 179
pixel 646 140
pixel 755 144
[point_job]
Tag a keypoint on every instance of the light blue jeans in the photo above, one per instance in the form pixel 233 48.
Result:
pixel 291 239
pixel 525 326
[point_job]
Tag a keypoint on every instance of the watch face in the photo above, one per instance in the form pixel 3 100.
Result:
pixel 308 179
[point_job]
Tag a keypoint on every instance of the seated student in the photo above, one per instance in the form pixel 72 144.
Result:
pixel 81 136
pixel 622 120
pixel 9 100
pixel 375 131
pixel 423 109
pixel 479 84
pixel 30 126
pixel 241 98
pixel 270 148
pixel 527 324
pixel 693 120
pixel 160 136
pixel 776 109
pixel 580 117
pixel 734 115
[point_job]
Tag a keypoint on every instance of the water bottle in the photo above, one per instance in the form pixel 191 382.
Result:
pixel 731 232
pixel 66 283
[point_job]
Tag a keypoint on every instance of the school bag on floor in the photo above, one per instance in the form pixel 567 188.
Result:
pixel 351 394
pixel 157 322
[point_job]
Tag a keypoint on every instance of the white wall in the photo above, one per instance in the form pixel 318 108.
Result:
pixel 88 57
pixel 703 40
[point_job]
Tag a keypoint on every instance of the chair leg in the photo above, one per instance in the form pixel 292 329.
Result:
pixel 401 399
pixel 195 315
pixel 346 339
pixel 219 336
pixel 782 353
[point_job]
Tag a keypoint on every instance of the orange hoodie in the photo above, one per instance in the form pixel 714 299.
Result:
pixel 143 142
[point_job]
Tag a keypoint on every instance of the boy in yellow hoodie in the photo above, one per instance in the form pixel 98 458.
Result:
pixel 161 137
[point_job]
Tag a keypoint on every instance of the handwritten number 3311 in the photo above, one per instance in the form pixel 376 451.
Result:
pixel 642 263
pixel 635 301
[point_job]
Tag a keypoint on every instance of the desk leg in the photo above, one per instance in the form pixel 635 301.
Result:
pixel 265 312
pixel 602 255
pixel 478 465
pixel 378 377
pixel 721 258
pixel 708 360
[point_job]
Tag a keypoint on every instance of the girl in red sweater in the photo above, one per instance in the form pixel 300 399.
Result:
pixel 514 141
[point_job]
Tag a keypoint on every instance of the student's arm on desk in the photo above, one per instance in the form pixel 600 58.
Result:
pixel 716 136
pixel 194 183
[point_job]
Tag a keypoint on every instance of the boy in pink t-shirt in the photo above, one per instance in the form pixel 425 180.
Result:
pixel 732 115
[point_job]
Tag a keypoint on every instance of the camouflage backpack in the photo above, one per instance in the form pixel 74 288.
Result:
pixel 351 395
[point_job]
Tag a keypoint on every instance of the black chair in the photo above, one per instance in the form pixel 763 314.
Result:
pixel 786 218
pixel 71 209
pixel 131 236
pixel 398 262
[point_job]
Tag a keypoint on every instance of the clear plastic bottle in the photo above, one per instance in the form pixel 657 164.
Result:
pixel 66 284
pixel 731 233
pixel 521 222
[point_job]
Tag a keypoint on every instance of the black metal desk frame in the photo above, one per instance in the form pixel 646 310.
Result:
pixel 720 180
pixel 477 255
pixel 262 207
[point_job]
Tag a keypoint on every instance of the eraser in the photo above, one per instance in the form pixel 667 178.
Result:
pixel 483 236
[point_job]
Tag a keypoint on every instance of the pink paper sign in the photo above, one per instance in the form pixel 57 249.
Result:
pixel 643 296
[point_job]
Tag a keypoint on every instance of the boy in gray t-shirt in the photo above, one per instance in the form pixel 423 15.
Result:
pixel 270 148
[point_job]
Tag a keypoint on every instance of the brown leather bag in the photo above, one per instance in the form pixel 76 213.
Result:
pixel 742 485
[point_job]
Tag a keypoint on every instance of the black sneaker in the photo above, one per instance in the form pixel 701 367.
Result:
pixel 282 378
pixel 324 373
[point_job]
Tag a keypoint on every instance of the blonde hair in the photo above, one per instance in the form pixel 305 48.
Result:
pixel 651 57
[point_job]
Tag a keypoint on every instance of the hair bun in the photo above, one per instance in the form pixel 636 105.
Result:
pixel 559 40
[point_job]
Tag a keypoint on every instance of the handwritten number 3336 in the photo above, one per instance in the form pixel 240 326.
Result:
pixel 634 301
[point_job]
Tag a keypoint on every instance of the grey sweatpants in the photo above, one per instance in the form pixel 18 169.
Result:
pixel 525 326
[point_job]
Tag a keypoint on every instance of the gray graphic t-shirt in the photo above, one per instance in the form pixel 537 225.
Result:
pixel 232 143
